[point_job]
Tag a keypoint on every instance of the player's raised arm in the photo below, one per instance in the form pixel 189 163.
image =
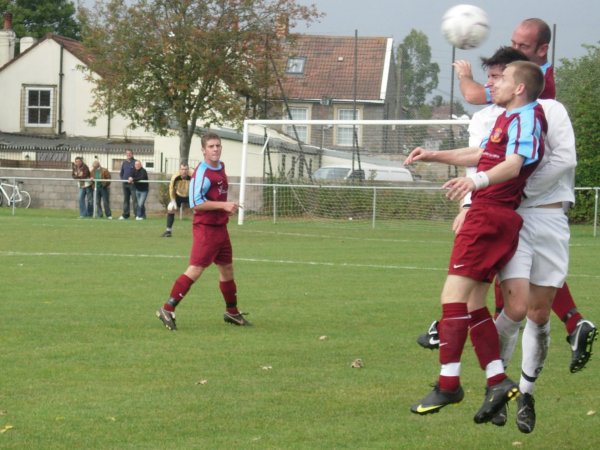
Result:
pixel 472 91
pixel 467 156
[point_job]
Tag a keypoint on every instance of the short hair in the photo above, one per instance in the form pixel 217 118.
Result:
pixel 544 35
pixel 531 76
pixel 184 164
pixel 80 158
pixel 209 137
pixel 502 57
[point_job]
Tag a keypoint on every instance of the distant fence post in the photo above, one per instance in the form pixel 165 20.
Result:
pixel 595 210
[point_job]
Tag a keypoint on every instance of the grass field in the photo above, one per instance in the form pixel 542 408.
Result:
pixel 85 364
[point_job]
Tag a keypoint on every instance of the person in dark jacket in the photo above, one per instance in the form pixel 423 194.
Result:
pixel 139 179
pixel 127 169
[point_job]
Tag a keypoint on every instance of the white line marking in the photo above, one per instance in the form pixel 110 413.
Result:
pixel 259 260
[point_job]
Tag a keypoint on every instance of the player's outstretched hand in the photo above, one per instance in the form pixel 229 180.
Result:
pixel 418 154
pixel 463 69
pixel 458 187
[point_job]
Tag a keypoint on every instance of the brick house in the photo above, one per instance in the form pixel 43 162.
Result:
pixel 322 80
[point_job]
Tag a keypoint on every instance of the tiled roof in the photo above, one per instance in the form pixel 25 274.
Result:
pixel 73 46
pixel 329 67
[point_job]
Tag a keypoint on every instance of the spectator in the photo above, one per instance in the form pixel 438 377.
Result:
pixel 127 169
pixel 101 189
pixel 81 172
pixel 139 179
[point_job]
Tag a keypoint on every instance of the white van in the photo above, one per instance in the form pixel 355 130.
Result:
pixel 369 172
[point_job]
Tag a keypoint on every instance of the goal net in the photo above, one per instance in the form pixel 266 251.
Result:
pixel 347 171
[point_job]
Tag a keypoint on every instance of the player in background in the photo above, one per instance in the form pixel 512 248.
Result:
pixel 211 243
pixel 532 38
pixel 488 237
pixel 179 187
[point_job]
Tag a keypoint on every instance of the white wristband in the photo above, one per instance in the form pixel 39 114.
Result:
pixel 480 179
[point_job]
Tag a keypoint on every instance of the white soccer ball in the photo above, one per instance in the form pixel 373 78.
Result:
pixel 465 26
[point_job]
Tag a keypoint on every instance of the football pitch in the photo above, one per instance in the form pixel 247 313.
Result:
pixel 85 364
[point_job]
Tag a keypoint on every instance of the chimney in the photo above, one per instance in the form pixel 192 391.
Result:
pixel 7 40
pixel 26 42
pixel 7 21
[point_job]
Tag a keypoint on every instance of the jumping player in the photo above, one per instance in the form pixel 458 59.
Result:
pixel 488 237
pixel 532 38
pixel 211 243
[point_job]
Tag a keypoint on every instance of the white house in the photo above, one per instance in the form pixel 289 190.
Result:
pixel 43 90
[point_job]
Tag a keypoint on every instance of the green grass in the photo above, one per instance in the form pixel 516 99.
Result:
pixel 86 364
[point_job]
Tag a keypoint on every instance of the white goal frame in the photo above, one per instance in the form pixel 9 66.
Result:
pixel 280 122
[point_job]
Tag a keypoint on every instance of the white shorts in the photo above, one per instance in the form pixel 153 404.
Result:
pixel 542 256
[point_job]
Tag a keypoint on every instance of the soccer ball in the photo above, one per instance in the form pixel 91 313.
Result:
pixel 465 26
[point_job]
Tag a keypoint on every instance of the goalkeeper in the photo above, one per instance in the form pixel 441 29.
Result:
pixel 178 195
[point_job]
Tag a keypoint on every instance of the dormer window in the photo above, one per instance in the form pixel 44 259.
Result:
pixel 295 65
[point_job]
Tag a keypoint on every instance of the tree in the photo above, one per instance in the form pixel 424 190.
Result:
pixel 36 18
pixel 418 75
pixel 167 64
pixel 578 88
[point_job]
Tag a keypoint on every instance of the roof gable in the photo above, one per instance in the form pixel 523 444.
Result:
pixel 329 67
pixel 73 46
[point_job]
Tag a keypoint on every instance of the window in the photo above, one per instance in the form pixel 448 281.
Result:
pixel 295 65
pixel 344 133
pixel 298 113
pixel 39 107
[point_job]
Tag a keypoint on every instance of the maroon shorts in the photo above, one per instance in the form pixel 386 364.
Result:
pixel 211 244
pixel 486 242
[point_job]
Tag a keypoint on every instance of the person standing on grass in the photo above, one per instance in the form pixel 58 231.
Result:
pixel 139 179
pixel 488 237
pixel 101 177
pixel 81 172
pixel 179 187
pixel 211 243
pixel 127 169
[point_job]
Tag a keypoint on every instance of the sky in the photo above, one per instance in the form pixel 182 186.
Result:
pixel 577 22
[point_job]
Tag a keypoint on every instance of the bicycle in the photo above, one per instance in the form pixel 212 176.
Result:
pixel 18 197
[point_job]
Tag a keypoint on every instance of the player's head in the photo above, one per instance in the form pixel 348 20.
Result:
pixel 211 149
pixel 184 169
pixel 209 137
pixel 495 64
pixel 532 37
pixel 522 82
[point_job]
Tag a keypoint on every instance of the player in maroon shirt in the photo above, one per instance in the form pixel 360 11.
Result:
pixel 488 237
pixel 211 243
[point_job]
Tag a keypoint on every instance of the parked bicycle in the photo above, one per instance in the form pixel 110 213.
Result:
pixel 13 194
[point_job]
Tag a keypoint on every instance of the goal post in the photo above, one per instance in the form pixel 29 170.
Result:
pixel 343 164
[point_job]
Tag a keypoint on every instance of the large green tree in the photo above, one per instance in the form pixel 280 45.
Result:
pixel 169 64
pixel 417 74
pixel 578 88
pixel 35 18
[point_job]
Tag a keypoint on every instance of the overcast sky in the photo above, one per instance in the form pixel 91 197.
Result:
pixel 577 22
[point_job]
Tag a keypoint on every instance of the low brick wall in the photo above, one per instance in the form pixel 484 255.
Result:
pixel 54 188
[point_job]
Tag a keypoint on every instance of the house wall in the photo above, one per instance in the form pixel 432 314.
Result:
pixel 40 66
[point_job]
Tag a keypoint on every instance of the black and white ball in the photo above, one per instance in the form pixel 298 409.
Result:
pixel 465 26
